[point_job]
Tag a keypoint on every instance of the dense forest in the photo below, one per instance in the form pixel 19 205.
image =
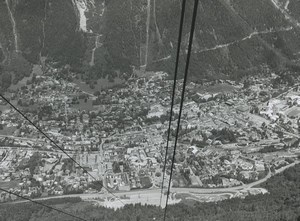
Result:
pixel 283 203
pixel 232 38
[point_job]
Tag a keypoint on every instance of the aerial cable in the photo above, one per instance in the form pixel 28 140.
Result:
pixel 196 2
pixel 42 204
pixel 55 144
pixel 173 92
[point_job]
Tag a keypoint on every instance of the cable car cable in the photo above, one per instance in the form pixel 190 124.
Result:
pixel 196 2
pixel 173 92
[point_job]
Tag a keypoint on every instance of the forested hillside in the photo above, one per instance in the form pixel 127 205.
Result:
pixel 100 38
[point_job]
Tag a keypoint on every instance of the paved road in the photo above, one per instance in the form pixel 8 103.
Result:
pixel 152 196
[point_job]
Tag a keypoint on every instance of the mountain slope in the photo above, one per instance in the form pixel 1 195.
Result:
pixel 101 38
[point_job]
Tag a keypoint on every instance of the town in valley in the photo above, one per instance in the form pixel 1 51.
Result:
pixel 233 135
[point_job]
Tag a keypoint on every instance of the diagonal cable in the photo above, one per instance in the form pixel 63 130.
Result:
pixel 173 92
pixel 182 96
pixel 55 144
pixel 42 204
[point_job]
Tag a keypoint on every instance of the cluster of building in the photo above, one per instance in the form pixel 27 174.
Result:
pixel 231 133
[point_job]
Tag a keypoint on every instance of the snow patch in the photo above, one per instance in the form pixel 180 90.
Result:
pixel 13 22
pixel 82 8
pixel 97 45
pixel 286 6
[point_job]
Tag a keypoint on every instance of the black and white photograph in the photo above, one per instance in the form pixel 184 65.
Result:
pixel 150 110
